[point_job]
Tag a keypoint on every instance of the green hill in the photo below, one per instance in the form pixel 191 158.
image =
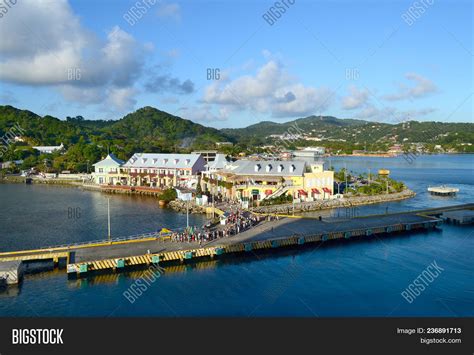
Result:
pixel 151 130
pixel 86 141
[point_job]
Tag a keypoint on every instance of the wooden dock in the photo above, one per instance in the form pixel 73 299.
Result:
pixel 286 232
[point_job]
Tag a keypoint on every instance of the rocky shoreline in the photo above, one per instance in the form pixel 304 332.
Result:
pixel 180 206
pixel 346 202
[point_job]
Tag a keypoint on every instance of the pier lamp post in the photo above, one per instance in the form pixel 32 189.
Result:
pixel 108 219
pixel 345 176
pixel 293 201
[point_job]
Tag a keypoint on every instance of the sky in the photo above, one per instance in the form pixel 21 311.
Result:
pixel 230 64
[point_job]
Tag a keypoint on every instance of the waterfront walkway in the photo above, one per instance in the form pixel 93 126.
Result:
pixel 117 254
pixel 267 230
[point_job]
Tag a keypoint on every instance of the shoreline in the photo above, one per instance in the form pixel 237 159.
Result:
pixel 386 155
pixel 178 206
pixel 347 202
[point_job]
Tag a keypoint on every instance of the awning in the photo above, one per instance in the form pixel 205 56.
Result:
pixel 255 192
pixel 315 191
pixel 268 192
pixel 302 192
pixel 325 189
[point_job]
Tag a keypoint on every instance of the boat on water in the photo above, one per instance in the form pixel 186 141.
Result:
pixel 443 190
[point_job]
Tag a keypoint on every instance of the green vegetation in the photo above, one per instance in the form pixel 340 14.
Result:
pixel 86 142
pixel 377 185
pixel 152 130
pixel 342 136
pixel 282 199
pixel 198 188
pixel 342 175
pixel 168 195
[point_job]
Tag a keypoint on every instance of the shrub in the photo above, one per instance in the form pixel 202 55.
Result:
pixel 168 195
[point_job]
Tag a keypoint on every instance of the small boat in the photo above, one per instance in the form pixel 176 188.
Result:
pixel 442 190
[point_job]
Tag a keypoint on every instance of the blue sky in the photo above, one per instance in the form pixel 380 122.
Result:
pixel 374 60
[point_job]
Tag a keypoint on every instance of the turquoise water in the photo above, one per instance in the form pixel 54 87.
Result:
pixel 355 278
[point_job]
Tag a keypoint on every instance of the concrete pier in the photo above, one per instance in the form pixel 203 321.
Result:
pixel 459 217
pixel 118 254
pixel 11 272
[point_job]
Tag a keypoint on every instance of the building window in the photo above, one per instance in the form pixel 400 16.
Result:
pixel 101 170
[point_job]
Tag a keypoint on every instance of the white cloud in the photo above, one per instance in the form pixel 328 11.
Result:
pixel 170 100
pixel 169 10
pixel 421 88
pixel 392 114
pixel 302 100
pixel 85 95
pixel 122 98
pixel 356 99
pixel 271 90
pixel 46 45
pixel 204 113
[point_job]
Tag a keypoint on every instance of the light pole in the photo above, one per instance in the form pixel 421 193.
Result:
pixel 108 218
pixel 345 176
pixel 293 205
pixel 187 211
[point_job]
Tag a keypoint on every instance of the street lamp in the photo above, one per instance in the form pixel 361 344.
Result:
pixel 345 176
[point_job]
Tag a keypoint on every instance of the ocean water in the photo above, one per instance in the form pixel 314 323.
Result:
pixel 348 278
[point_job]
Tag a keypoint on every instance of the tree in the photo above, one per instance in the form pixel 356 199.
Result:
pixel 198 188
pixel 168 195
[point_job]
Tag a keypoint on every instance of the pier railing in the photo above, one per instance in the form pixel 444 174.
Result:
pixel 111 240
pixel 52 248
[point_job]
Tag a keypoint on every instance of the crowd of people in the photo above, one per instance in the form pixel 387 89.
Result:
pixel 235 222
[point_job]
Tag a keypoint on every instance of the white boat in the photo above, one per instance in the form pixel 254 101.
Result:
pixel 443 190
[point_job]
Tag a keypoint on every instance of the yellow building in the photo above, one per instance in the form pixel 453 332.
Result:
pixel 247 180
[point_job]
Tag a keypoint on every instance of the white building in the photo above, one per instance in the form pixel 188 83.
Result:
pixel 217 164
pixel 49 149
pixel 107 171
pixel 163 170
